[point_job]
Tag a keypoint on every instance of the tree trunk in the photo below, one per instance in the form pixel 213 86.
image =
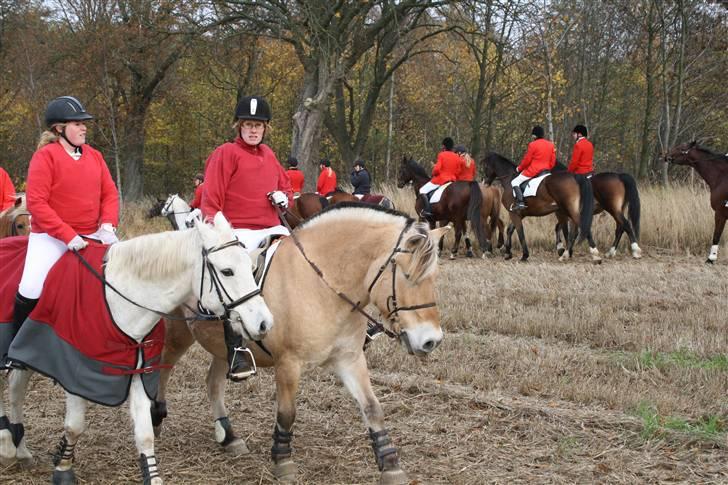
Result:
pixel 134 154
pixel 645 150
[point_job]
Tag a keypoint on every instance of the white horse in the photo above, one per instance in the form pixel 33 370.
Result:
pixel 178 212
pixel 160 271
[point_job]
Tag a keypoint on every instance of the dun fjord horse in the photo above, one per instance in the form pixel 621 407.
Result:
pixel 15 221
pixel 394 269
pixel 713 167
pixel 461 201
pixel 569 196
pixel 160 272
pixel 613 192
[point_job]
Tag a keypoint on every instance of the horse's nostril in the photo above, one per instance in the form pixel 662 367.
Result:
pixel 263 327
pixel 429 345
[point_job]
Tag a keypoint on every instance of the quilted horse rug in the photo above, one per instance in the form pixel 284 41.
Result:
pixel 71 335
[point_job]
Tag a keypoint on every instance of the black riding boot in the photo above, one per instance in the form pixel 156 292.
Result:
pixel 240 360
pixel 520 204
pixel 426 212
pixel 21 310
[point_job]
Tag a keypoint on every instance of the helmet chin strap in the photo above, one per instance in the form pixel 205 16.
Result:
pixel 63 134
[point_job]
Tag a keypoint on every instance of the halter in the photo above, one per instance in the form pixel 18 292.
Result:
pixel 215 282
pixel 392 306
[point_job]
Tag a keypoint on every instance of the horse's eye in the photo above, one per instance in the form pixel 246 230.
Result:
pixel 227 272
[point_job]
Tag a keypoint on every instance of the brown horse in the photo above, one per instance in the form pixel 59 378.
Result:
pixel 15 221
pixel 395 271
pixel 713 167
pixel 613 192
pixel 309 204
pixel 461 201
pixel 490 214
pixel 569 196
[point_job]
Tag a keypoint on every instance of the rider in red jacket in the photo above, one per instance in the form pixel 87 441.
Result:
pixel 582 159
pixel 540 156
pixel 7 191
pixel 327 178
pixel 468 171
pixel 448 166
pixel 296 177
pixel 199 187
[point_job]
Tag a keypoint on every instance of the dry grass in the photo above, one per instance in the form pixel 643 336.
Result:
pixel 549 373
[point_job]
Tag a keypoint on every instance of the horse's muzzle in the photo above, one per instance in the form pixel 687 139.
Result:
pixel 421 340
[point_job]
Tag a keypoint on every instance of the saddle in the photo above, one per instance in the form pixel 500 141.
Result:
pixel 530 186
pixel 435 195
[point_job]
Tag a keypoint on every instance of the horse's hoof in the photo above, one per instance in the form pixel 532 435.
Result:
pixel 709 261
pixel 524 259
pixel 487 254
pixel 560 251
pixel 469 254
pixel 452 256
pixel 611 253
pixel 157 431
pixel 597 261
pixel 66 477
pixel 6 461
pixel 26 462
pixel 285 471
pixel 393 477
pixel 237 447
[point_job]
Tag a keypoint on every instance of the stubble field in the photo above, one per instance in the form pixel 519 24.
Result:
pixel 549 373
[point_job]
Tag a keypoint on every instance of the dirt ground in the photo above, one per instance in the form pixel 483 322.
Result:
pixel 541 377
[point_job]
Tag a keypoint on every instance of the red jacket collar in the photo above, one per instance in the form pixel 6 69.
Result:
pixel 248 148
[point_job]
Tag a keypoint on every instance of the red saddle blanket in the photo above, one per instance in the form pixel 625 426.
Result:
pixel 71 335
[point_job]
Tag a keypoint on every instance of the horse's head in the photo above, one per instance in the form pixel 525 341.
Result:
pixel 226 281
pixel 156 209
pixel 488 167
pixel 15 221
pixel 404 175
pixel 405 291
pixel 682 154
pixel 168 206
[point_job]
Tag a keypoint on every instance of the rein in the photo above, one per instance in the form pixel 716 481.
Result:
pixel 214 282
pixel 356 306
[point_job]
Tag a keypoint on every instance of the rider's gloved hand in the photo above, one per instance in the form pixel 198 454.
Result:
pixel 190 219
pixel 77 243
pixel 107 234
pixel 278 198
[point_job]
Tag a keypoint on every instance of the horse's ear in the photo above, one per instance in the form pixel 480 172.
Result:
pixel 439 233
pixel 221 223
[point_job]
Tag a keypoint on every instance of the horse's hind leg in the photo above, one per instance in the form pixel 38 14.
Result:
pixel 224 433
pixel 509 240
pixel 143 432
pixel 288 375
pixel 468 247
pixel 355 377
pixel 73 428
pixel 18 386
pixel 459 230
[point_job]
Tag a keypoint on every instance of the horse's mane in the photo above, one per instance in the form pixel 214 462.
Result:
pixel 416 168
pixel 154 256
pixel 712 154
pixel 424 257
pixel 498 159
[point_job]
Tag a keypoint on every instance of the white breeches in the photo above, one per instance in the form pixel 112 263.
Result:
pixel 43 252
pixel 519 180
pixel 428 187
pixel 252 238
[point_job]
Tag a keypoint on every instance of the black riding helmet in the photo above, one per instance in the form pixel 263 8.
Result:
pixel 253 108
pixel 361 163
pixel 580 129
pixel 63 109
pixel 538 131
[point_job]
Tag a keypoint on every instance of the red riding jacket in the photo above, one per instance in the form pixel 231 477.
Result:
pixel 448 166
pixel 540 156
pixel 468 171
pixel 7 191
pixel 582 159
pixel 327 181
pixel 197 200
pixel 297 179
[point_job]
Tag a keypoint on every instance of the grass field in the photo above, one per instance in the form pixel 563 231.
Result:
pixel 549 373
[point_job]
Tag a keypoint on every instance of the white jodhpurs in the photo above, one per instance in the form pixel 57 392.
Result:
pixel 519 180
pixel 43 252
pixel 252 238
pixel 428 187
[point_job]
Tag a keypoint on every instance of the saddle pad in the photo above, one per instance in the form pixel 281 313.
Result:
pixel 532 185
pixel 437 194
pixel 264 260
pixel 71 336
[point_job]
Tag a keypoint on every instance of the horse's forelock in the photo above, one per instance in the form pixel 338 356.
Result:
pixel 424 257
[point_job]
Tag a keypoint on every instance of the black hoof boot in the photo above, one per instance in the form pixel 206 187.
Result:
pixel 66 477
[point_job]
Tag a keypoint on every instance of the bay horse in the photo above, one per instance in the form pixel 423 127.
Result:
pixel 461 201
pixel 713 167
pixel 15 220
pixel 159 271
pixel 613 192
pixel 394 270
pixel 309 204
pixel 563 193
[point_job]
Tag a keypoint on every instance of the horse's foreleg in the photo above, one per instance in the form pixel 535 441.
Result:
pixel 73 428
pixel 717 233
pixel 509 240
pixel 17 388
pixel 562 227
pixel 288 375
pixel 7 448
pixel 459 230
pixel 224 433
pixel 522 239
pixel 143 432
pixel 355 376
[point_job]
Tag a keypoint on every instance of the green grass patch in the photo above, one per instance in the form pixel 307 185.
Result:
pixel 683 358
pixel 654 425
